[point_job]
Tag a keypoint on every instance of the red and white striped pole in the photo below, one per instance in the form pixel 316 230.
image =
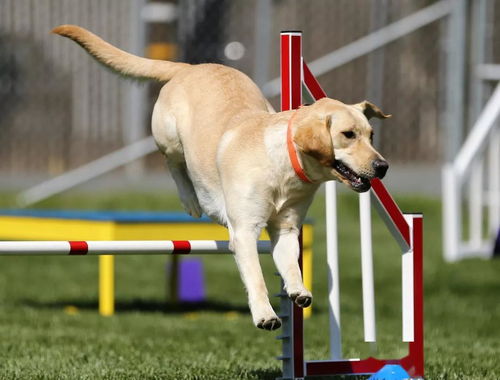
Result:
pixel 291 70
pixel 125 247
pixel 291 98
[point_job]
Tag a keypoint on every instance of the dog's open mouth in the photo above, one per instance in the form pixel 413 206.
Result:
pixel 357 182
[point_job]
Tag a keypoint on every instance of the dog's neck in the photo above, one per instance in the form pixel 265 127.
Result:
pixel 292 153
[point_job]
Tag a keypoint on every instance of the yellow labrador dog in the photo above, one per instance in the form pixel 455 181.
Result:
pixel 244 165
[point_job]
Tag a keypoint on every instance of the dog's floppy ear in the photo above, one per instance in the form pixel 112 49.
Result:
pixel 313 138
pixel 370 110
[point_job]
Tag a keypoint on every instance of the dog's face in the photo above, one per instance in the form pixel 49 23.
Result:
pixel 340 138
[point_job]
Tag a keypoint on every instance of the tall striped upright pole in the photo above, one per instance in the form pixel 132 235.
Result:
pixel 291 70
pixel 291 98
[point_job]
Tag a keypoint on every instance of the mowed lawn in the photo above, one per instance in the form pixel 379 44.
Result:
pixel 50 329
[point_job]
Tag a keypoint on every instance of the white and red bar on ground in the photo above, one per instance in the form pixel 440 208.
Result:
pixel 406 229
pixel 125 247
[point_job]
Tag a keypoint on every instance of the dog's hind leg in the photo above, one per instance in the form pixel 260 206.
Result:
pixel 164 127
pixel 185 187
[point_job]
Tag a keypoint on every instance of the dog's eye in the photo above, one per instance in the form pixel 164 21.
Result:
pixel 371 137
pixel 349 134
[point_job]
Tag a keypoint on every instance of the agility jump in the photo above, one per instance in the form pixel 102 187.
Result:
pixel 406 230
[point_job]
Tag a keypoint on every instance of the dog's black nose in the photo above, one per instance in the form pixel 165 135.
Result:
pixel 380 167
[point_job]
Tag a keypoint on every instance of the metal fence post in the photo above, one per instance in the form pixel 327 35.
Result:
pixel 134 128
pixel 263 14
pixel 455 84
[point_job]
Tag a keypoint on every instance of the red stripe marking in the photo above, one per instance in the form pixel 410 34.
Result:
pixel 285 72
pixel 78 248
pixel 391 208
pixel 345 367
pixel 292 60
pixel 312 84
pixel 181 247
pixel 417 347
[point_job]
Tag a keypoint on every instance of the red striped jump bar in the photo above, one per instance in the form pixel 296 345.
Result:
pixel 124 247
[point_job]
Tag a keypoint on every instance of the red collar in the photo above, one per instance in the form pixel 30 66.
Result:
pixel 292 153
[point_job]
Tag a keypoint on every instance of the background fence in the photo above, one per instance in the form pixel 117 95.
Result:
pixel 59 109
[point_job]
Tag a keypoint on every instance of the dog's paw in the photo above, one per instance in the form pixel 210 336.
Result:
pixel 270 324
pixel 301 298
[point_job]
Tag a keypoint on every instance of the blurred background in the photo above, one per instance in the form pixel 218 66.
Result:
pixel 68 124
pixel 428 63
pixel 59 109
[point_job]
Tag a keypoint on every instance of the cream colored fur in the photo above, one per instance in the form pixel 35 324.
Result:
pixel 226 149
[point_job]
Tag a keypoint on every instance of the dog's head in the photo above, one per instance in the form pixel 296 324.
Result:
pixel 339 138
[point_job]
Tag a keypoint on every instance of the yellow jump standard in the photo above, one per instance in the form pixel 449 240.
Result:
pixel 116 225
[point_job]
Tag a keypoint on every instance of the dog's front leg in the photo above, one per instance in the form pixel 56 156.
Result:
pixel 285 243
pixel 244 243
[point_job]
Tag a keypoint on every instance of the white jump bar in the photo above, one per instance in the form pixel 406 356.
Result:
pixel 125 247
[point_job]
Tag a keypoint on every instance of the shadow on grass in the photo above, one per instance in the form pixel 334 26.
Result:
pixel 152 306
pixel 142 305
pixel 266 374
pixel 272 374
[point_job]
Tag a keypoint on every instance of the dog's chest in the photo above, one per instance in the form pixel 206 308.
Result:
pixel 287 189
pixel 292 194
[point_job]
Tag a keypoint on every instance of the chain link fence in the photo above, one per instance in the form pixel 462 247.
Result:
pixel 59 109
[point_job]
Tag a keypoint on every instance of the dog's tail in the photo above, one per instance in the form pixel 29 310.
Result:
pixel 124 63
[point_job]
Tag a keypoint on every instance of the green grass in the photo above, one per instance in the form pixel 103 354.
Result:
pixel 151 339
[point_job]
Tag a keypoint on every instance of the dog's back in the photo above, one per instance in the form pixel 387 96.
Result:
pixel 194 109
pixel 200 105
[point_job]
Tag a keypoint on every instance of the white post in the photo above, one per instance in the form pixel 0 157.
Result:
pixel 455 79
pixel 367 267
pixel 134 128
pixel 332 256
pixel 478 135
pixel 262 20
pixel 451 214
pixel 494 185
pixel 476 204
